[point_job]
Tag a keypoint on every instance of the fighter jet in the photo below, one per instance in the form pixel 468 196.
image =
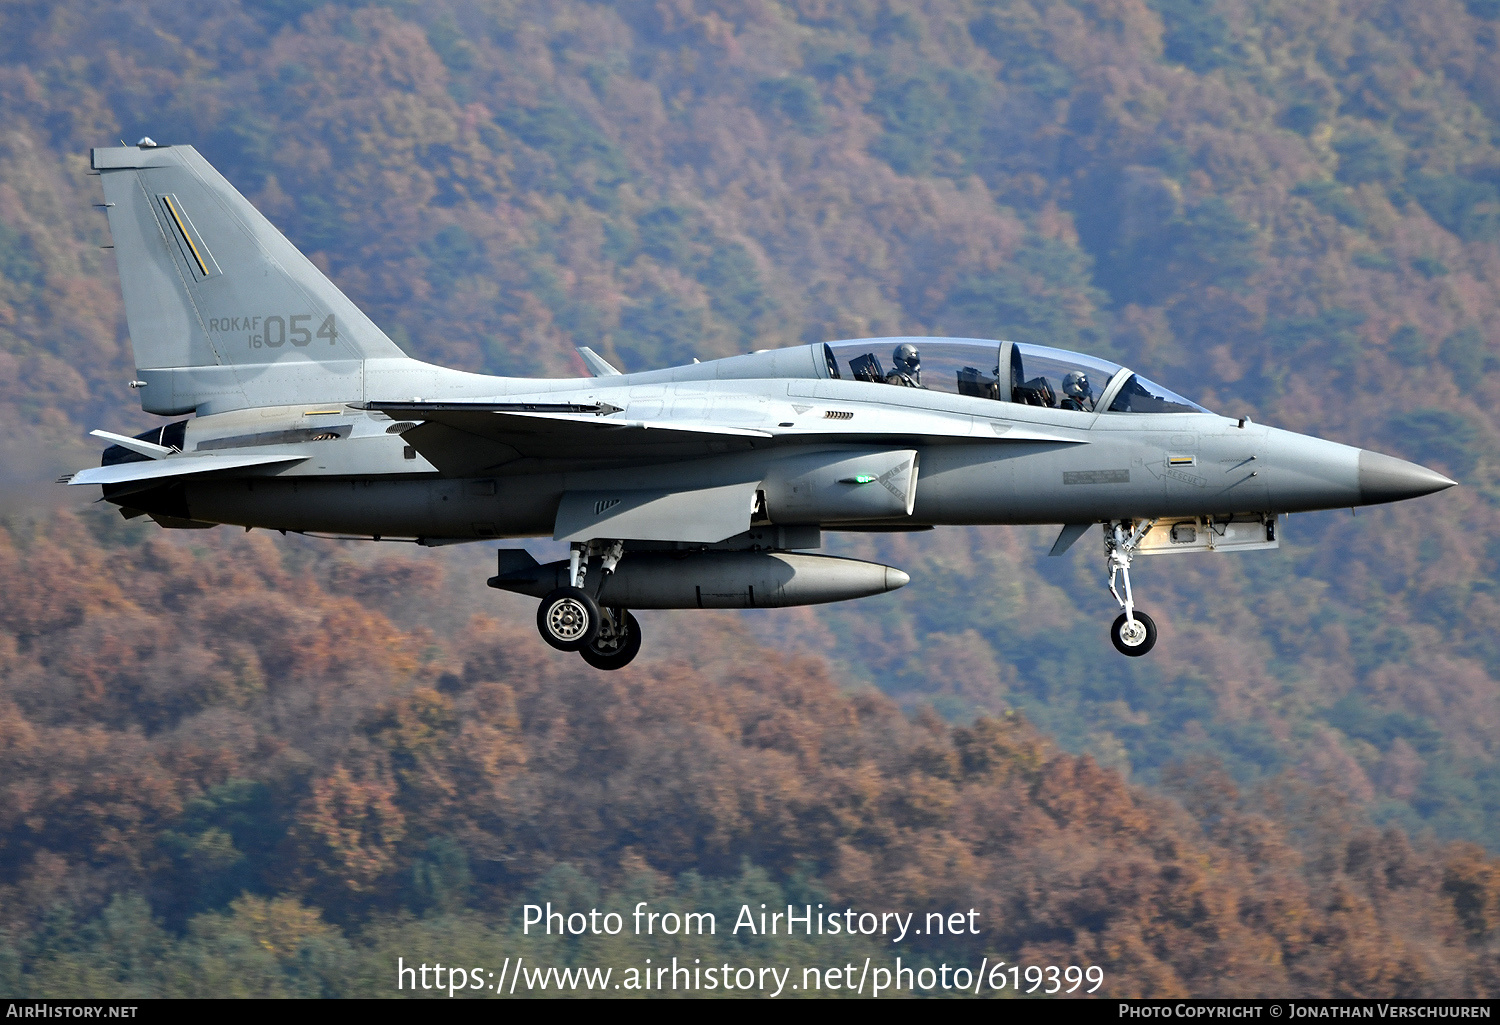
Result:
pixel 701 486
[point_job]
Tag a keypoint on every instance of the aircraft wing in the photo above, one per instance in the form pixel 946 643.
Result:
pixel 558 419
pixel 178 466
pixel 459 437
pixel 496 419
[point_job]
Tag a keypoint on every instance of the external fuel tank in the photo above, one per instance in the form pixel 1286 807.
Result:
pixel 708 579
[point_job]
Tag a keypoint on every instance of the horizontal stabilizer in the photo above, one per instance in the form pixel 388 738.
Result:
pixel 706 515
pixel 181 466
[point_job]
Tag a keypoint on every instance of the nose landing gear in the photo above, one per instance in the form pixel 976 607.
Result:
pixel 1133 633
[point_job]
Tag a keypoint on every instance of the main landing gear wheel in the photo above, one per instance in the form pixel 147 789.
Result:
pixel 617 643
pixel 1133 636
pixel 568 619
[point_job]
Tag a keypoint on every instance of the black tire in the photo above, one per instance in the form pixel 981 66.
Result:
pixel 616 652
pixel 1140 647
pixel 567 619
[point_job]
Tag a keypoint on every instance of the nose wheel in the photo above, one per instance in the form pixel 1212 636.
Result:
pixel 1134 636
pixel 1133 633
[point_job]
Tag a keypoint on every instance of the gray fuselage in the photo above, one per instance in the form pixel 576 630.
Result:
pixel 362 478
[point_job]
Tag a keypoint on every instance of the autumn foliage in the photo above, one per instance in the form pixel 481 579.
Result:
pixel 257 752
pixel 1276 211
pixel 243 764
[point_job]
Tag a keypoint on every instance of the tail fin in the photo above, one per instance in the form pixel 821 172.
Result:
pixel 224 312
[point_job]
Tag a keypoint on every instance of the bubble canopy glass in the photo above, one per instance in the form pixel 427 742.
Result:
pixel 1037 374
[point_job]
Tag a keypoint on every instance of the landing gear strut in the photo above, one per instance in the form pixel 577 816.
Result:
pixel 571 619
pixel 1133 633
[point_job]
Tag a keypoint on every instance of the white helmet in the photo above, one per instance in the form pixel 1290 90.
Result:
pixel 1075 385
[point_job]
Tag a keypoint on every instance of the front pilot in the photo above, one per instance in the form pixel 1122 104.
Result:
pixel 1077 393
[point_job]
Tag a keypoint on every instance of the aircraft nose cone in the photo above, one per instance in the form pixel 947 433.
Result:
pixel 1387 479
pixel 895 578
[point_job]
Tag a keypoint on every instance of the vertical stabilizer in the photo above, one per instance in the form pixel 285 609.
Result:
pixel 224 312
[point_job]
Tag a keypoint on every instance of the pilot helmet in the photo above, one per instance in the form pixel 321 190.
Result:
pixel 1075 385
pixel 906 358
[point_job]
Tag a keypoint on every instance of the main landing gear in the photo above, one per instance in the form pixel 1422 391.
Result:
pixel 617 642
pixel 571 619
pixel 1133 633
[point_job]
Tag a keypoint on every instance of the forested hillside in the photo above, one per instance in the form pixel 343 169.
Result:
pixel 1281 209
pixel 230 771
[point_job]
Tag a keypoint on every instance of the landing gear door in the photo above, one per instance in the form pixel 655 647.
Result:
pixel 1243 532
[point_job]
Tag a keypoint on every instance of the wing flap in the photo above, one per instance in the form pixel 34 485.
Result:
pixel 177 466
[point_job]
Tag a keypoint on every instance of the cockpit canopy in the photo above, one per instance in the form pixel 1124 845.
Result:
pixel 1033 375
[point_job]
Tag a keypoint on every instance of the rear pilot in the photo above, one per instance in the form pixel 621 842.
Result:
pixel 907 371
